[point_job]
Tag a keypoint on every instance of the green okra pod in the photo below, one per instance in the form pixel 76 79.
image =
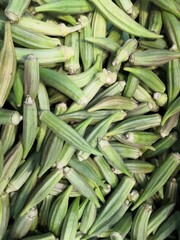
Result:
pixel 66 132
pixel 15 9
pixel 24 193
pixel 4 213
pixel 173 85
pixel 31 76
pixel 72 66
pixel 70 224
pixel 171 224
pixel 7 64
pixel 8 136
pixel 81 185
pixel 121 20
pixel 153 57
pixel 55 55
pixel 9 117
pixel 29 125
pixel 41 190
pixel 158 217
pixel 58 211
pixel 113 157
pixel 155 21
pixel 22 225
pixel 18 86
pixel 140 222
pixel 172 109
pixel 114 103
pixel 12 162
pixel 159 178
pixel 169 6
pixel 138 123
pixel 114 202
pixel 63 84
pixel 64 7
pixel 148 77
pixel 172 28
pixel 144 10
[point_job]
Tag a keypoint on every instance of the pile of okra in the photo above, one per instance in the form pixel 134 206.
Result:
pixel 89 119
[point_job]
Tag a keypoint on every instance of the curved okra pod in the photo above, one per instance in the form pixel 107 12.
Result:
pixel 7 64
pixel 121 20
pixel 24 193
pixel 114 89
pixel 159 178
pixel 105 169
pixel 16 9
pixel 148 77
